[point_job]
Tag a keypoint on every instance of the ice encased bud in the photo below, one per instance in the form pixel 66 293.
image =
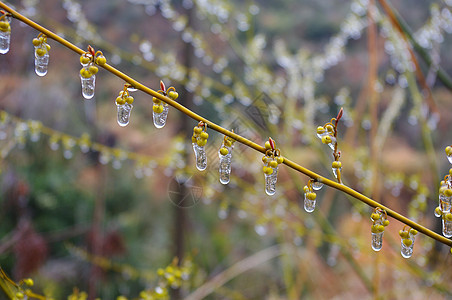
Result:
pixel 447 226
pixel 160 118
pixel 88 85
pixel 124 112
pixel 377 241
pixel 270 182
pixel 5 35
pixel 309 205
pixel 41 61
pixel 225 166
pixel 200 156
pixel 407 251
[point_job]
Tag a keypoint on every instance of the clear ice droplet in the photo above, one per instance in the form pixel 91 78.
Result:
pixel 449 158
pixel 41 62
pixel 316 185
pixel 5 38
pixel 201 157
pixel 407 251
pixel 88 85
pixel 160 118
pixel 445 203
pixel 124 111
pixel 447 227
pixel 309 205
pixel 377 241
pixel 225 166
pixel 270 182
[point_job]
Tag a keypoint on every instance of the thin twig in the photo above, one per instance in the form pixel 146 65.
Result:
pixel 193 115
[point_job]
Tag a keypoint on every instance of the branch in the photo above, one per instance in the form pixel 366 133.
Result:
pixel 231 134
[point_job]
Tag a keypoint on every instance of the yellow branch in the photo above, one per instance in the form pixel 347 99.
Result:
pixel 232 135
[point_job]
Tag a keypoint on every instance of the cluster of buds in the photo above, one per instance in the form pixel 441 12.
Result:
pixel 199 141
pixel 89 70
pixel 309 194
pixel 379 221
pixel 41 54
pixel 160 108
pixel 445 202
pixel 407 235
pixel 271 160
pixel 225 155
pixel 124 106
pixel 5 31
pixel 328 134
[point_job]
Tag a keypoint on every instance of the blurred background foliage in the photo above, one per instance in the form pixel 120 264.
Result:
pixel 106 221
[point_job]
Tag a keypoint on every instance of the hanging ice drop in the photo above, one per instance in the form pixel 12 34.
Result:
pixel 5 35
pixel 377 241
pixel 225 164
pixel 88 85
pixel 447 225
pixel 316 185
pixel 124 112
pixel 200 156
pixel 309 202
pixel 41 59
pixel 270 181
pixel 407 247
pixel 160 114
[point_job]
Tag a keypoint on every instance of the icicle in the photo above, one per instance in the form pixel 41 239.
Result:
pixel 41 54
pixel 309 201
pixel 447 225
pixel 271 161
pixel 88 84
pixel 160 108
pixel 380 221
pixel 5 33
pixel 225 154
pixel 270 181
pixel 160 114
pixel 407 242
pixel 377 241
pixel 199 140
pixel 124 106
pixel 200 156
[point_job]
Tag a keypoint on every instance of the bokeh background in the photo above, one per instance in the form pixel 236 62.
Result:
pixel 107 220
